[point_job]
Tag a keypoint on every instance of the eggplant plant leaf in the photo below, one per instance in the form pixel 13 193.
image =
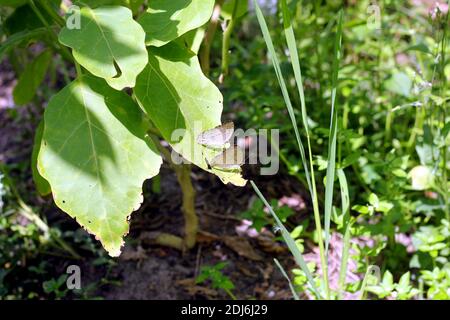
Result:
pixel 95 154
pixel 109 44
pixel 165 20
pixel 182 103
pixel 41 184
pixel 31 78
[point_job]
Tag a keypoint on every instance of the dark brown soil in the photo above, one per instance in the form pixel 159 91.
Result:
pixel 154 272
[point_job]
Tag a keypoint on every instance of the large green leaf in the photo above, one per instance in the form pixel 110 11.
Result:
pixel 41 184
pixel 31 78
pixel 165 20
pixel 95 154
pixel 176 95
pixel 110 44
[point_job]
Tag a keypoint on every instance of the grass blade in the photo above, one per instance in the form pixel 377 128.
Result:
pixel 345 199
pixel 295 62
pixel 283 272
pixel 292 47
pixel 290 242
pixel 284 91
pixel 331 164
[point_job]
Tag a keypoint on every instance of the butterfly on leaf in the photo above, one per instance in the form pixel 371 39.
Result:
pixel 232 157
pixel 217 137
pixel 229 160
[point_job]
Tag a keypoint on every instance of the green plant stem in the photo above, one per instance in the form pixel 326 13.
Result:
pixel 226 42
pixel 387 126
pixel 66 246
pixel 169 240
pixel 418 125
pixel 78 68
pixel 183 173
pixel 27 212
pixel 60 48
pixel 30 215
pixel 164 239
pixel 205 52
pixel 191 225
pixel 41 18
pixel 57 18
pixel 232 296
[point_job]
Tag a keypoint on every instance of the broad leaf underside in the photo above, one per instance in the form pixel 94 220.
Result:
pixel 95 154
pixel 186 100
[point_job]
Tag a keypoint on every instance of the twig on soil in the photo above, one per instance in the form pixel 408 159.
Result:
pixel 198 260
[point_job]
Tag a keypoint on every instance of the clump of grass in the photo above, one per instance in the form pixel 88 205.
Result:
pixel 323 234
